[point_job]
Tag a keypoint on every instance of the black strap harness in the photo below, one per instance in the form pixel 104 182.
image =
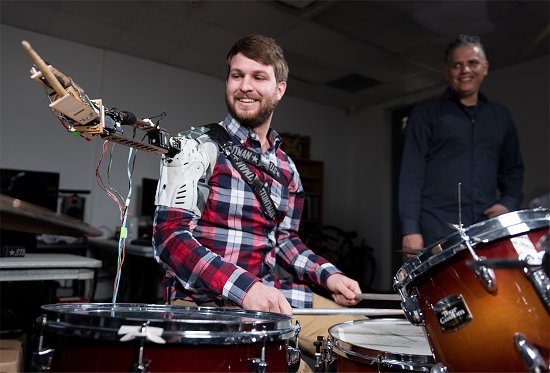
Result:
pixel 240 157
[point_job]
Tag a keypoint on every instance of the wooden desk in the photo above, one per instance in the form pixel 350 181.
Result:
pixel 38 267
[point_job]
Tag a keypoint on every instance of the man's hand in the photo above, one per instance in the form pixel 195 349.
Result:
pixel 343 289
pixel 261 297
pixel 495 210
pixel 412 245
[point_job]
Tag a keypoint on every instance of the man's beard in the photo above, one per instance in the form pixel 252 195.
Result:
pixel 253 119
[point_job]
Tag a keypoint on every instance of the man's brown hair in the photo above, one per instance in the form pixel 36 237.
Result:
pixel 262 49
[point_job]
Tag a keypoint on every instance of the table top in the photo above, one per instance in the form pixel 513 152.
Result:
pixel 40 267
pixel 47 260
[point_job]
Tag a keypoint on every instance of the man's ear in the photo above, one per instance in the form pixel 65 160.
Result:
pixel 281 89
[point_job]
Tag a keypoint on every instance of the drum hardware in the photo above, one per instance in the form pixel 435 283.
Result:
pixel 87 338
pixel 141 365
pixel 259 365
pixel 486 276
pixel 532 269
pixel 379 345
pixel 509 244
pixel 293 353
pixel 318 356
pixel 348 311
pixel 41 360
pixel 439 368
pixel 412 309
pixel 541 282
pixel 322 360
pixel 534 361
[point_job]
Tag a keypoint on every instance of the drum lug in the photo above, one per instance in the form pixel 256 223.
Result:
pixel 142 365
pixel 438 368
pixel 259 365
pixel 42 360
pixel 293 354
pixel 485 275
pixel 412 310
pixel 541 282
pixel 319 358
pixel 529 354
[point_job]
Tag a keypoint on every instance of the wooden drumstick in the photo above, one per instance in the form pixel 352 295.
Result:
pixel 347 311
pixel 371 296
pixel 48 75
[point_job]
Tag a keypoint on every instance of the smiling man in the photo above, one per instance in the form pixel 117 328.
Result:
pixel 458 137
pixel 229 206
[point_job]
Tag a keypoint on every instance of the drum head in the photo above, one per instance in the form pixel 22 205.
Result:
pixel 395 343
pixel 507 225
pixel 195 325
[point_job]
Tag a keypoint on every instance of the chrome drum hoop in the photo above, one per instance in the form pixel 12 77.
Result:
pixel 181 325
pixel 506 225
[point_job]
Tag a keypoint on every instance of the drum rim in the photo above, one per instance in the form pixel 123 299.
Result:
pixel 74 319
pixel 506 225
pixel 386 358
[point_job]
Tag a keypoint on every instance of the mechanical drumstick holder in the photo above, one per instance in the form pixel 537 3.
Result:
pixel 83 115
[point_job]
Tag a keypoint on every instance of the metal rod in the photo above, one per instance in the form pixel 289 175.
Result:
pixel 348 311
pixel 372 296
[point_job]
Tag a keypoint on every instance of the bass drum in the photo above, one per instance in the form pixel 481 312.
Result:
pixel 378 345
pixel 161 338
pixel 496 319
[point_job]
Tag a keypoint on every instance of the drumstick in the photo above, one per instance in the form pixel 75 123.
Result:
pixel 46 72
pixel 347 311
pixel 371 296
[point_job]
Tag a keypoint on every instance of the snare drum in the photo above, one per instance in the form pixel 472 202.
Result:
pixel 162 338
pixel 497 320
pixel 378 345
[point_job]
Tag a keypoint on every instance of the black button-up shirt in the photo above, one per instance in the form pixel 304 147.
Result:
pixel 446 144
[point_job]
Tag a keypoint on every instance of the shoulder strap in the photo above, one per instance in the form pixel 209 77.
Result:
pixel 238 156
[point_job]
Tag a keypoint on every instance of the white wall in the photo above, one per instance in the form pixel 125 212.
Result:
pixel 356 150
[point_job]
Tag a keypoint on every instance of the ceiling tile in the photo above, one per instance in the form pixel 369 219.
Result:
pixel 165 25
pixel 311 70
pixel 193 60
pixel 356 56
pixel 83 30
pixel 20 14
pixel 145 47
pixel 256 17
pixel 114 13
pixel 311 39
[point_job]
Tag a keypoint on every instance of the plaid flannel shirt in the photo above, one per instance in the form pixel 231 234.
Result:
pixel 218 256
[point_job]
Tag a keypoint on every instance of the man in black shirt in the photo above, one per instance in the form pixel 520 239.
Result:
pixel 459 137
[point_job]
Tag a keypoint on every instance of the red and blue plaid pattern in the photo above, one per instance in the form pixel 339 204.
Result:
pixel 233 244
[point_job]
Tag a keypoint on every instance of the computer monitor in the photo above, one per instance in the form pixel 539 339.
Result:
pixel 148 191
pixel 40 188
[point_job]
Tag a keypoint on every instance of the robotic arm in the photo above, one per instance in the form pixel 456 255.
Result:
pixel 80 114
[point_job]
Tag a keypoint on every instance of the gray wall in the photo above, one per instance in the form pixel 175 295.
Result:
pixel 356 149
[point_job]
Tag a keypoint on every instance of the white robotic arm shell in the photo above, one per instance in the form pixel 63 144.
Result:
pixel 183 177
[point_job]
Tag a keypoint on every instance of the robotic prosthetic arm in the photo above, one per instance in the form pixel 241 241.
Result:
pixel 184 176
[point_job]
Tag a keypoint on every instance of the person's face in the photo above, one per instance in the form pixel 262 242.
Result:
pixel 252 92
pixel 465 70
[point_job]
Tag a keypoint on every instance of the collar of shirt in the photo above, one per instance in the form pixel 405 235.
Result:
pixel 242 133
pixel 449 94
